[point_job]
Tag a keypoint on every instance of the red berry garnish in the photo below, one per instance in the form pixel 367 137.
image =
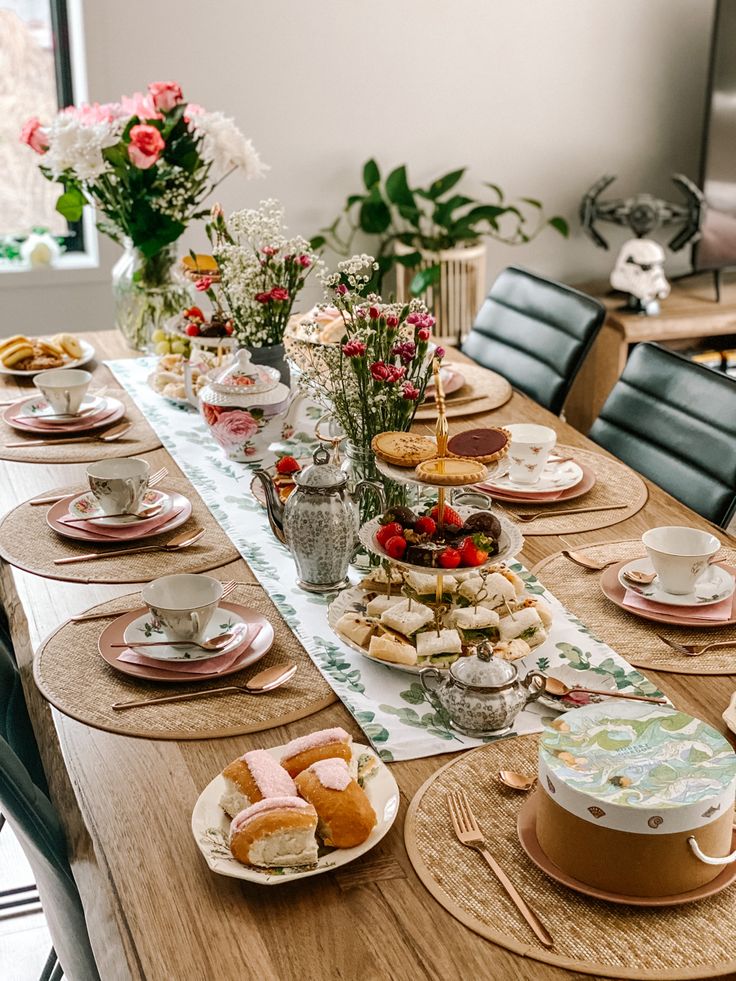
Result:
pixel 395 547
pixel 192 330
pixel 449 516
pixel 471 551
pixel 388 531
pixel 287 465
pixel 194 313
pixel 229 328
pixel 426 525
pixel 450 558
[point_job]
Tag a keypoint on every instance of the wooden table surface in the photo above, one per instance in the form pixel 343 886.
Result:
pixel 154 909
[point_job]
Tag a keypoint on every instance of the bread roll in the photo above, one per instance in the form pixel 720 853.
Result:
pixel 251 778
pixel 323 745
pixel 17 352
pixel 276 831
pixel 345 816
pixel 391 648
pixel 356 628
pixel 69 344
pixel 9 342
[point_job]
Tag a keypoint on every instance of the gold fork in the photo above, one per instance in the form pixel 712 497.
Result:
pixel 227 589
pixel 468 833
pixel 554 514
pixel 695 650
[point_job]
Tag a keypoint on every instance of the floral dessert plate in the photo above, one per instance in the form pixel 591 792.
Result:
pixel 144 666
pixel 555 477
pixel 88 352
pixel 510 543
pixel 38 408
pixel 713 586
pixel 147 628
pixel 95 531
pixel 86 506
pixel 211 826
pixel 113 411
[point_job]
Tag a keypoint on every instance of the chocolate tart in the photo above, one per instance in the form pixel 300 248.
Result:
pixel 486 445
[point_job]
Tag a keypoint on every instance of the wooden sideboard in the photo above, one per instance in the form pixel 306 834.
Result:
pixel 689 313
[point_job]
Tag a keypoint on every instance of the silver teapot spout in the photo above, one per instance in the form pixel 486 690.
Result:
pixel 273 505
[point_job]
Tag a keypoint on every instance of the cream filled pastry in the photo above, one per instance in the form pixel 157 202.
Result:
pixel 276 831
pixel 345 815
pixel 325 744
pixel 251 778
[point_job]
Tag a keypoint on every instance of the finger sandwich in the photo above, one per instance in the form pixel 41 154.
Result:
pixel 525 624
pixel 407 617
pixel 439 647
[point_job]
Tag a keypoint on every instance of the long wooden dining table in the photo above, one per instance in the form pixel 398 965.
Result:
pixel 154 909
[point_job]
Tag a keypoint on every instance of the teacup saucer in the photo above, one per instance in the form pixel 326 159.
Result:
pixel 39 409
pixel 555 477
pixel 146 628
pixel 86 506
pixel 713 586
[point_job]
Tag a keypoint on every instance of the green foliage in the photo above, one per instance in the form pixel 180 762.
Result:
pixel 427 220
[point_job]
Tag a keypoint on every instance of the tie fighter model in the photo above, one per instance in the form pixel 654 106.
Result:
pixel 644 213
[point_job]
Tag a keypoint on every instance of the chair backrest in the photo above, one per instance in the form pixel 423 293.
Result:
pixel 536 333
pixel 36 825
pixel 675 422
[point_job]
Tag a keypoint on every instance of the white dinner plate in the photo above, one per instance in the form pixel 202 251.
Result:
pixel 86 506
pixel 210 825
pixel 713 586
pixel 88 352
pixel 92 407
pixel 146 628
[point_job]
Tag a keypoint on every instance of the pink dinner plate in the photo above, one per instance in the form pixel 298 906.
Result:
pixel 615 592
pixel 115 410
pixel 452 381
pixel 526 828
pixel 113 634
pixel 586 483
pixel 181 509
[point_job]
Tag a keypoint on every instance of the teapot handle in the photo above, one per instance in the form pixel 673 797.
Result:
pixel 374 487
pixel 424 675
pixel 535 683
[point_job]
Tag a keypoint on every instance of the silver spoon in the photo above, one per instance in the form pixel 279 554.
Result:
pixel 218 643
pixel 263 681
pixel 520 782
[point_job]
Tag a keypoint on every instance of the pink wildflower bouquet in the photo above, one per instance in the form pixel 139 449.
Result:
pixel 146 162
pixel 379 372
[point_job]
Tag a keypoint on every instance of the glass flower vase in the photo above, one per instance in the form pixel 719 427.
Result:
pixel 147 293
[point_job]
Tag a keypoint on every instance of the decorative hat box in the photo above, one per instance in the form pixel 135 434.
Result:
pixel 636 799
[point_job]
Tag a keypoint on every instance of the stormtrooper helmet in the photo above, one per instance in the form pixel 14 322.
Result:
pixel 639 272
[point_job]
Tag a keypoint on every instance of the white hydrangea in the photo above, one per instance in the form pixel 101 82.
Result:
pixel 76 146
pixel 225 145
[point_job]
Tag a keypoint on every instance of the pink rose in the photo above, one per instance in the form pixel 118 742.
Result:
pixel 279 294
pixel 146 144
pixel 165 95
pixel 269 250
pixel 193 110
pixel 234 428
pixel 33 136
pixel 90 115
pixel 262 297
pixel 354 348
pixel 139 105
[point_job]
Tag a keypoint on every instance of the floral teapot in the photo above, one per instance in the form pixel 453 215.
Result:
pixel 319 522
pixel 481 694
pixel 244 407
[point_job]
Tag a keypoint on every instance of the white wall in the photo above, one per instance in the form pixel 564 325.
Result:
pixel 541 96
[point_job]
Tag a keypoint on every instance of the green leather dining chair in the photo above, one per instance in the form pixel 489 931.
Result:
pixel 536 333
pixel 675 422
pixel 25 804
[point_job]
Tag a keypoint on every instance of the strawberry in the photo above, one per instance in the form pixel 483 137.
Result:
pixel 388 531
pixel 449 516
pixel 192 330
pixel 426 526
pixel 395 547
pixel 472 550
pixel 194 313
pixel 450 558
pixel 229 328
pixel 287 465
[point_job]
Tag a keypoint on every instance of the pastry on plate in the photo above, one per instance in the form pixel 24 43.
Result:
pixel 322 745
pixel 487 445
pixel 276 831
pixel 512 650
pixel 69 344
pixel 13 354
pixel 392 648
pixel 451 471
pixel 403 449
pixel 345 817
pixel 252 777
pixel 356 628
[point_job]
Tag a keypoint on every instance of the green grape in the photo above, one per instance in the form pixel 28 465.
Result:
pixel 158 336
pixel 178 347
pixel 163 347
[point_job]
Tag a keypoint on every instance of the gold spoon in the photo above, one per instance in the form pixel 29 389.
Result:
pixel 558 689
pixel 640 578
pixel 264 681
pixel 517 781
pixel 582 560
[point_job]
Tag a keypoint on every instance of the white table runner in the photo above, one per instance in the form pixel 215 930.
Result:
pixel 389 705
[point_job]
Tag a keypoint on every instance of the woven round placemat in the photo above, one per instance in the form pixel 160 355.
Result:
pixel 631 636
pixel 72 675
pixel 615 484
pixel 697 940
pixel 491 390
pixel 27 542
pixel 140 438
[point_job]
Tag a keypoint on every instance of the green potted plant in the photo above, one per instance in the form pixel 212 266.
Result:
pixel 434 237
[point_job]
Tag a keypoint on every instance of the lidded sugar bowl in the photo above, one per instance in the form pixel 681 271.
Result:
pixel 482 694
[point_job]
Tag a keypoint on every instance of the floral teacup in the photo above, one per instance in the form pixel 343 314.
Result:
pixel 530 447
pixel 183 605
